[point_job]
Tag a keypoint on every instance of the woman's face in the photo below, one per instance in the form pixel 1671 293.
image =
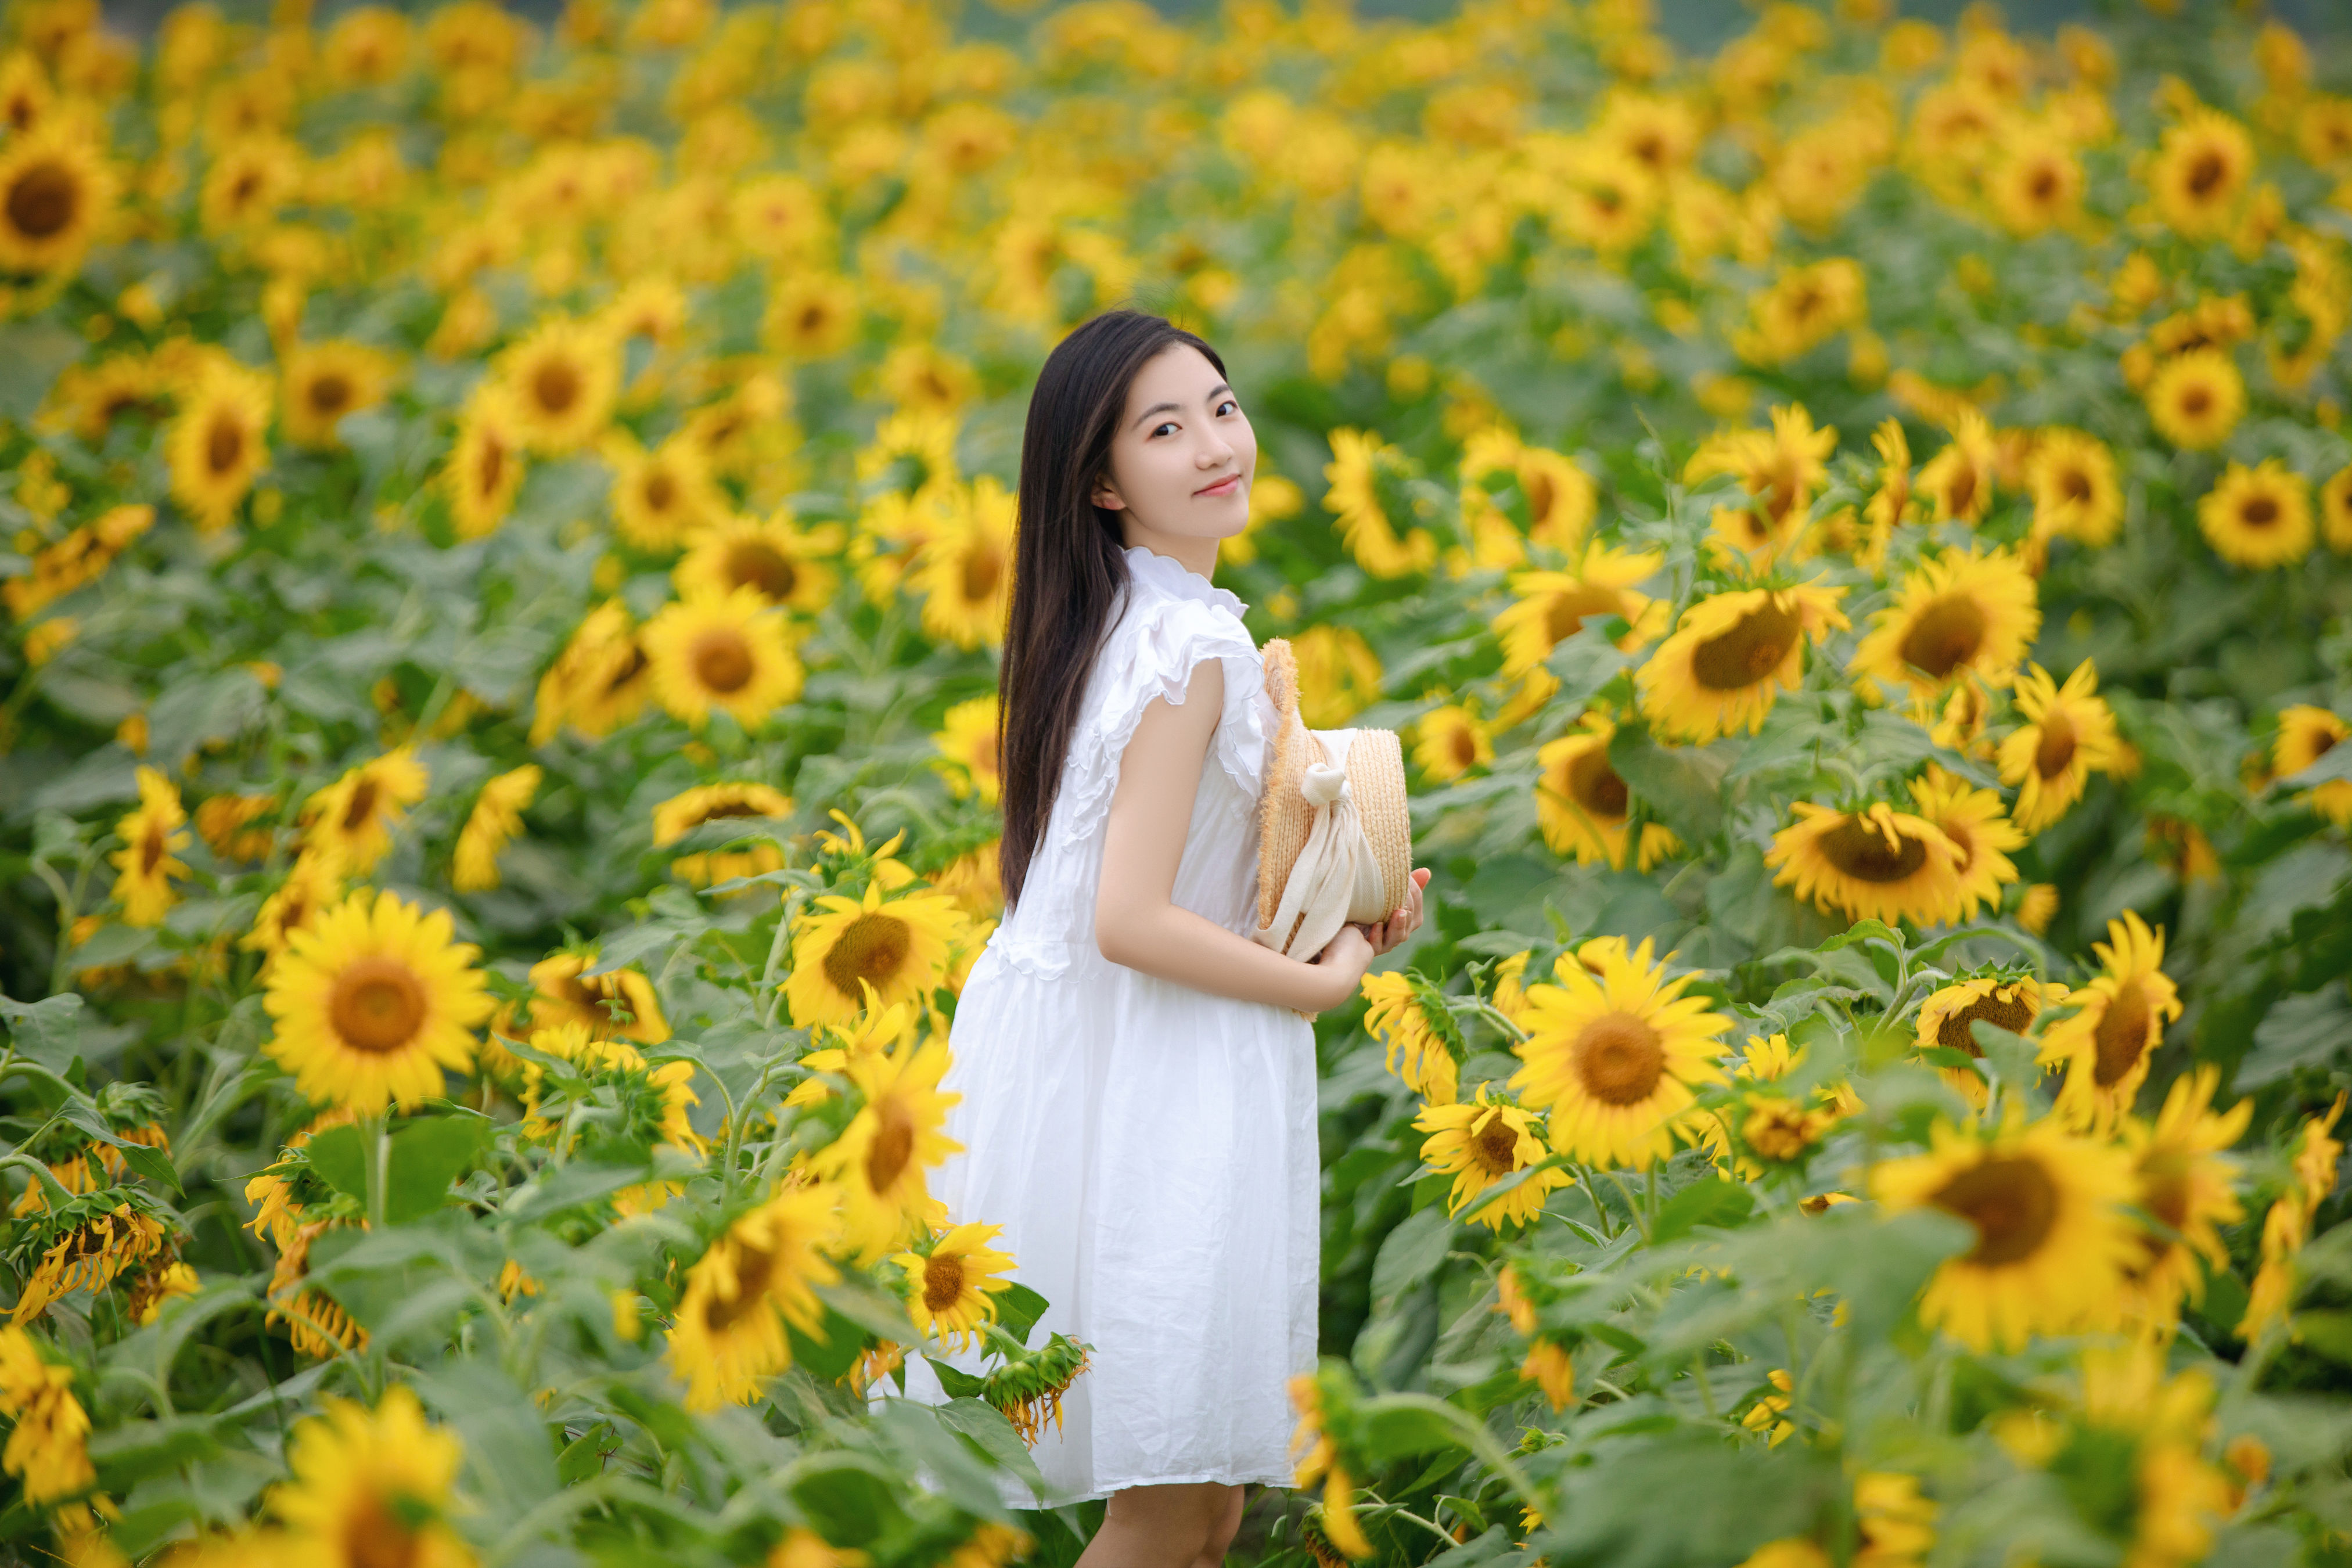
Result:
pixel 1184 456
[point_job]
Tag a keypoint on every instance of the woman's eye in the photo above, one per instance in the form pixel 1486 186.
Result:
pixel 1229 406
pixel 1164 425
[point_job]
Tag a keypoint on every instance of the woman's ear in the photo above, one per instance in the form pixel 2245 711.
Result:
pixel 1105 497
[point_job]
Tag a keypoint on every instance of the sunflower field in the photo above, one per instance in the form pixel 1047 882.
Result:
pixel 503 535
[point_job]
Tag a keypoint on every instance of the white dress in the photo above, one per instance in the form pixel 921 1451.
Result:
pixel 1148 1149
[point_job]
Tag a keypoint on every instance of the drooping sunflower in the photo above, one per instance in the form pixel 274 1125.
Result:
pixel 1449 740
pixel 1612 1053
pixel 662 496
pixel 2306 734
pixel 2050 1247
pixel 1872 863
pixel 1958 481
pixel 348 825
pixel 880 1162
pixel 785 564
pixel 2076 494
pixel 48 1448
pixel 495 818
pixel 2258 517
pixel 56 192
pixel 218 443
pixel 89 1247
pixel 2005 1001
pixel 1980 832
pixel 2200 168
pixel 2196 398
pixel 1552 606
pixel 956 1283
pixel 323 381
pixel 2184 1182
pixel 1962 612
pixel 145 864
pixel 2105 1046
pixel 371 1486
pixel 1358 458
pixel 2069 733
pixel 730 1331
pixel 372 1002
pixel 1730 657
pixel 1582 806
pixel 964 569
pixel 561 383
pixel 845 950
pixel 1479 1144
pixel 966 745
pixel 713 803
pixel 485 466
pixel 619 1002
pixel 728 651
pixel 1417 1049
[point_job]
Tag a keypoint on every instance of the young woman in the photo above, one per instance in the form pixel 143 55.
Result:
pixel 1138 1083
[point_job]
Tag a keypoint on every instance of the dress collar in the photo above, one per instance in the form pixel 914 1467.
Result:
pixel 1170 576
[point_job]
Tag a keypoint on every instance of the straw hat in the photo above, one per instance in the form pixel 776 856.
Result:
pixel 1350 784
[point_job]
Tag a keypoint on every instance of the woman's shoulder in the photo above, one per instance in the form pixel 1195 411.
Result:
pixel 1172 610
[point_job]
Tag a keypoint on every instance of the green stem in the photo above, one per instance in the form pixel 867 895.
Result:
pixel 378 1137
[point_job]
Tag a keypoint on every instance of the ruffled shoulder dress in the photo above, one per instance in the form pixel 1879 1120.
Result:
pixel 1148 1149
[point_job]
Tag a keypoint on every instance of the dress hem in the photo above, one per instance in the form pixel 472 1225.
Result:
pixel 1254 1478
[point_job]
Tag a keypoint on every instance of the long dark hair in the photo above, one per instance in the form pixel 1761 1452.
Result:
pixel 1068 565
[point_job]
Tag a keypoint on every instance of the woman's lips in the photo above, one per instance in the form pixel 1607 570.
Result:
pixel 1223 486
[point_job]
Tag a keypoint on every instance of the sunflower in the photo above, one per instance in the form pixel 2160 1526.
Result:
pixel 497 817
pixel 372 1487
pixel 724 651
pixel 1958 481
pixel 2069 731
pixel 1980 833
pixel 846 951
pixel 2195 398
pixel 1552 606
pixel 1582 806
pixel 310 887
pixel 2336 510
pixel 1450 741
pixel 249 181
pixel 2050 1246
pixel 1730 657
pixel 1890 504
pixel 787 566
pixel 2306 734
pixel 598 682
pixel 881 1158
pixel 1338 674
pixel 1319 1460
pixel 564 993
pixel 348 825
pixel 49 1447
pixel 967 748
pixel 812 315
pixel 56 195
pixel 1780 468
pixel 730 1328
pixel 2076 494
pixel 2258 517
pixel 1358 459
pixel 323 381
pixel 1874 863
pixel 712 802
pixel 145 862
pixel 560 384
pixel 2038 186
pixel 955 1283
pixel 2106 1045
pixel 2184 1182
pixel 2008 1002
pixel 1418 1052
pixel 2200 168
pixel 1612 1053
pixel 1963 612
pixel 661 497
pixel 485 466
pixel 964 569
pixel 222 822
pixel 372 1002
pixel 96 1245
pixel 218 443
pixel 1479 1144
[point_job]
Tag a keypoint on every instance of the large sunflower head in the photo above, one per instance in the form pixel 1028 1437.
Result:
pixel 485 464
pixel 2068 731
pixel 1980 832
pixel 721 651
pixel 2202 168
pixel 1959 613
pixel 663 495
pixel 1481 1142
pixel 2076 494
pixel 730 1331
pixel 561 383
pixel 2050 1244
pixel 2106 1046
pixel 953 1284
pixel 1958 481
pixel 2184 1181
pixel 850 954
pixel 785 565
pixel 618 1002
pixel 1359 460
pixel 323 381
pixel 2006 1001
pixel 371 1486
pixel 2258 517
pixel 1582 804
pixel 1450 741
pixel 372 1002
pixel 2037 186
pixel 218 443
pixel 348 825
pixel 967 746
pixel 1418 1048
pixel 882 1158
pixel 1731 656
pixel 56 192
pixel 2306 734
pixel 1612 1055
pixel 1553 606
pixel 1871 862
pixel 2195 398
pixel 964 570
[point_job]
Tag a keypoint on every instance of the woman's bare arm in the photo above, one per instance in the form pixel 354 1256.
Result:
pixel 1135 922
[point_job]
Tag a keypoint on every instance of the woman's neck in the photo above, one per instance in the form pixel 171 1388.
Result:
pixel 1196 555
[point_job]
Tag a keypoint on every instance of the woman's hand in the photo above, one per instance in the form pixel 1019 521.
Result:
pixel 1395 931
pixel 1344 959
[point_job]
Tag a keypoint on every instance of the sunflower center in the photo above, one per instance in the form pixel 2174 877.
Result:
pixel 2258 512
pixel 754 1268
pixel 2011 1013
pixel 812 317
pixel 1856 848
pixel 360 807
pixel 377 1005
pixel 1570 608
pixel 1944 635
pixel 762 566
pixel 729 808
pixel 893 1147
pixel 1465 747
pixel 491 466
pixel 330 394
pixel 2164 1190
pixel 1963 488
pixel 942 1282
pixel 1752 649
pixel 1594 785
pixel 224 444
pixel 1496 1145
pixel 44 200
pixel 982 570
pixel 2056 750
pixel 2197 400
pixel 2074 485
pixel 873 948
pixel 150 850
pixel 2043 185
pixel 661 490
pixel 2121 1038
pixel 1541 497
pixel 1620 1058
pixel 555 387
pixel 2205 173
pixel 2013 1203
pixel 722 661
pixel 374 1536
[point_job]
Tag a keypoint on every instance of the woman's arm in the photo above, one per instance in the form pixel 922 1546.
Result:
pixel 1135 922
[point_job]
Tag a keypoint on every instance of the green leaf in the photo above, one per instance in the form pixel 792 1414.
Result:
pixel 340 1156
pixel 1018 1309
pixel 958 1384
pixel 832 1350
pixel 1399 1431
pixel 859 1300
pixel 988 1430
pixel 426 1156
pixel 1725 1205
pixel 1683 785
